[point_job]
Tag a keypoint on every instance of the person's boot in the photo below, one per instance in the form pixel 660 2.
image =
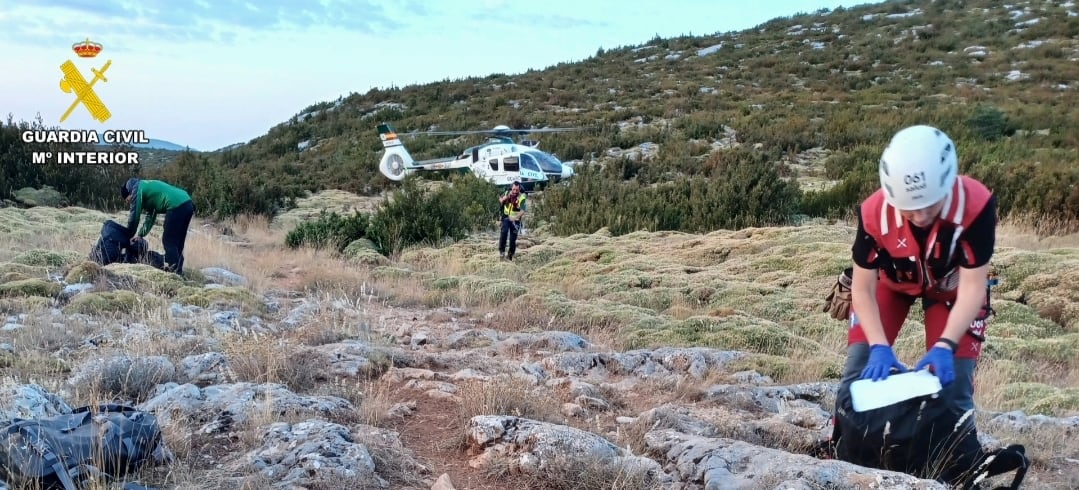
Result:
pixel 501 256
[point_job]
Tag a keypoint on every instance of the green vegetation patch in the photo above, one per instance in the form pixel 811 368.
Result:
pixel 47 258
pixel 1062 349
pixel 23 269
pixel 1040 398
pixel 40 221
pixel 1016 320
pixel 30 287
pixel 222 297
pixel 362 251
pixel 490 290
pixel 735 332
pixel 121 301
pixel 658 299
pixel 45 196
pixel 146 278
pixel 391 272
pixel 85 271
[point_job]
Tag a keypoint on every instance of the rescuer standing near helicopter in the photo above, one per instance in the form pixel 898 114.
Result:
pixel 514 205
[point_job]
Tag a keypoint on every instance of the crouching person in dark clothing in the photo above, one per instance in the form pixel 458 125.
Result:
pixel 156 197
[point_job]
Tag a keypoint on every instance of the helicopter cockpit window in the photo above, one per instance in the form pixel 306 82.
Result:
pixel 511 164
pixel 494 164
pixel 548 163
pixel 528 162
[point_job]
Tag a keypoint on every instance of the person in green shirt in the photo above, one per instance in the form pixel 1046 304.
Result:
pixel 156 197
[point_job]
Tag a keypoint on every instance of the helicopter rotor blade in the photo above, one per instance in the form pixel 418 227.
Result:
pixel 453 133
pixel 545 130
pixel 492 131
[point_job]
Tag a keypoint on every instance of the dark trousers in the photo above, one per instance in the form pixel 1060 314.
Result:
pixel 174 235
pixel 509 231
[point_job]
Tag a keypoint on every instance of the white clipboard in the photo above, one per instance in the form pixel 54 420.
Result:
pixel 867 394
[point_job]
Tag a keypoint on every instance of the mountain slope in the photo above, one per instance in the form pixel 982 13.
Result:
pixel 155 144
pixel 997 77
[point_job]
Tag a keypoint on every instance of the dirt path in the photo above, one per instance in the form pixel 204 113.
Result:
pixel 435 435
pixel 435 430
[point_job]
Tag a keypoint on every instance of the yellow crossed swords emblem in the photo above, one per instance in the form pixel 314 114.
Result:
pixel 84 92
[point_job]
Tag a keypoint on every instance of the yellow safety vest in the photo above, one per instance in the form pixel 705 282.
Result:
pixel 512 207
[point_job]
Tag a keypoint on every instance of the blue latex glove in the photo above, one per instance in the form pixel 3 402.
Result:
pixel 942 360
pixel 881 361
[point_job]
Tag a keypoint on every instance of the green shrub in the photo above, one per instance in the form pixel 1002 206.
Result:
pixel 329 230
pixel 410 216
pixel 413 216
pixel 990 123
pixel 743 188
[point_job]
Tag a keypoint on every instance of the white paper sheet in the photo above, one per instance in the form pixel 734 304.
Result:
pixel 867 394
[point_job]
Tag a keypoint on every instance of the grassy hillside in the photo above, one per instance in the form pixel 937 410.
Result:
pixel 811 98
pixel 465 318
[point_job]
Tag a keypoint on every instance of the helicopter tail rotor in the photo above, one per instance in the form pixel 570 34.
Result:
pixel 396 162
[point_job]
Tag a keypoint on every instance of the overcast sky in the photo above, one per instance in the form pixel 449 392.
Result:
pixel 210 73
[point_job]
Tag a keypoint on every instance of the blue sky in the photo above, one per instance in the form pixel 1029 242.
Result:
pixel 210 73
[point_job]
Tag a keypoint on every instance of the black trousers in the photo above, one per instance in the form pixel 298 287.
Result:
pixel 509 231
pixel 174 235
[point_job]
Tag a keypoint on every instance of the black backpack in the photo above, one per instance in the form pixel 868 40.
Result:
pixel 112 244
pixel 115 245
pixel 920 437
pixel 62 452
pixel 140 253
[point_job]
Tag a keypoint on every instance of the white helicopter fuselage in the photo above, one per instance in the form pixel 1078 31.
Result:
pixel 499 162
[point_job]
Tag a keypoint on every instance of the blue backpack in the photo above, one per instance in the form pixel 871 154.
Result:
pixel 64 451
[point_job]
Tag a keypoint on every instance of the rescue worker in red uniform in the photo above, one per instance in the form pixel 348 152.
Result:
pixel 928 233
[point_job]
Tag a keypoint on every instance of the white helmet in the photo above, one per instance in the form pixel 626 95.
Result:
pixel 918 168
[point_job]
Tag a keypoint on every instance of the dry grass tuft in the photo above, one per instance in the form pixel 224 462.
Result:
pixel 504 395
pixel 393 461
pixel 1038 233
pixel 257 360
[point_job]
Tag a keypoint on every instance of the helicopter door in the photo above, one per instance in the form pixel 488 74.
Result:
pixel 508 169
pixel 511 164
pixel 530 169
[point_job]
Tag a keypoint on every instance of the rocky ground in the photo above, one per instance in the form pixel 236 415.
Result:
pixel 288 369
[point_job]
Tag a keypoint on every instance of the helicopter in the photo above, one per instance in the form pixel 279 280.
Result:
pixel 500 160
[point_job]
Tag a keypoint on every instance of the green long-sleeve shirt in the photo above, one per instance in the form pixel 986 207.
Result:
pixel 153 197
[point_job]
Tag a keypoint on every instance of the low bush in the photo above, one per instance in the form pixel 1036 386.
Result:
pixel 411 216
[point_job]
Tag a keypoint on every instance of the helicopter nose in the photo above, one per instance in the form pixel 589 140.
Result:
pixel 567 171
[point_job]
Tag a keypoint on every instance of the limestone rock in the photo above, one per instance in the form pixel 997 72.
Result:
pixel 725 464
pixel 549 450
pixel 314 452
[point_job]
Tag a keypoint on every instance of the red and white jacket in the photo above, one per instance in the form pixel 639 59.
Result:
pixel 904 266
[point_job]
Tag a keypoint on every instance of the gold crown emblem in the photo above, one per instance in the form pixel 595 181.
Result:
pixel 87 49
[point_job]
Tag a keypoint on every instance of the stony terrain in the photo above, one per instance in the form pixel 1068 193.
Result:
pixel 650 360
